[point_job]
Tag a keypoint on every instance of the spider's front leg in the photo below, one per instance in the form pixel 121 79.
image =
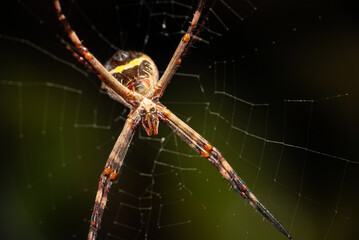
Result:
pixel 111 171
pixel 146 114
pixel 206 150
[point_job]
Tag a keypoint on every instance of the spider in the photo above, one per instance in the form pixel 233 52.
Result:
pixel 132 79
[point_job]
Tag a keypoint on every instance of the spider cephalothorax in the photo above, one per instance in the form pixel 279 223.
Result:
pixel 132 79
pixel 149 118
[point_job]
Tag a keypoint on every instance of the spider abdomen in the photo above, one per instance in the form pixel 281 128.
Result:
pixel 135 70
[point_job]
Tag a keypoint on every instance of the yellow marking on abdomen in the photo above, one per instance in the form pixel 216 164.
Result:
pixel 131 64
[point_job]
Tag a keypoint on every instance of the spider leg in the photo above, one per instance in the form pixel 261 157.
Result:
pixel 111 171
pixel 131 97
pixel 176 59
pixel 206 150
pixel 79 58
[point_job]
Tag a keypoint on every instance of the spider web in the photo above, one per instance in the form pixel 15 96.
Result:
pixel 271 84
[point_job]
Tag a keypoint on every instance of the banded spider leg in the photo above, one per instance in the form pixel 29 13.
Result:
pixel 206 150
pixel 85 57
pixel 111 171
pixel 179 53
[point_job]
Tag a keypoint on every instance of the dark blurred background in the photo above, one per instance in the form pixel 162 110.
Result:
pixel 298 157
